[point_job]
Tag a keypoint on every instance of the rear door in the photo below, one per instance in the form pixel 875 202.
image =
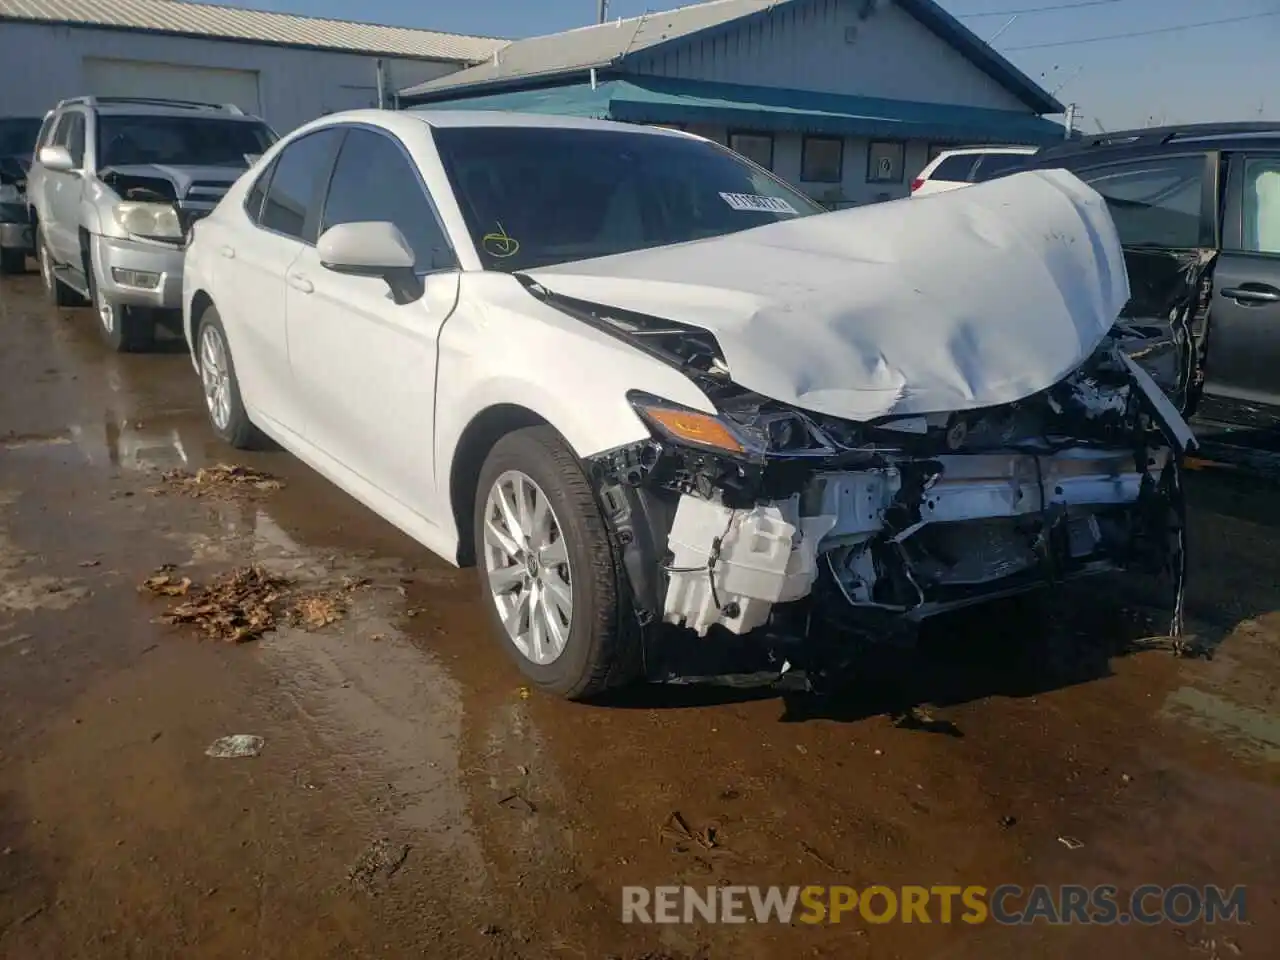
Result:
pixel 1243 365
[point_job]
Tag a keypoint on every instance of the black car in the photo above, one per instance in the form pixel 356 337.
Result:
pixel 1197 208
pixel 17 142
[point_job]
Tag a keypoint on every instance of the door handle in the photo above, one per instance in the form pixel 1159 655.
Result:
pixel 300 282
pixel 1259 294
pixel 228 252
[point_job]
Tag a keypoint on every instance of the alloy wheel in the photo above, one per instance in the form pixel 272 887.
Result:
pixel 215 374
pixel 527 564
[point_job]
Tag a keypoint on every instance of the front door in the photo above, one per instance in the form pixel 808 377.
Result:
pixel 1243 362
pixel 63 191
pixel 252 267
pixel 365 367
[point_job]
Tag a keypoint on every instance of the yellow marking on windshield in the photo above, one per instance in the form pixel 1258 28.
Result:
pixel 500 245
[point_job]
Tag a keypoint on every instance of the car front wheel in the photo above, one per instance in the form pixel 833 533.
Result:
pixel 226 410
pixel 549 571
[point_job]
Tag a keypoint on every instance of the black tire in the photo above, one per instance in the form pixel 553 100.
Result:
pixel 239 431
pixel 602 649
pixel 133 329
pixel 13 261
pixel 55 291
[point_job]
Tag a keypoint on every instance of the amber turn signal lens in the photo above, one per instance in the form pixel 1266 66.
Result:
pixel 693 427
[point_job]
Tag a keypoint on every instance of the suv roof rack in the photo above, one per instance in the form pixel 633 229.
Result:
pixel 1154 136
pixel 153 101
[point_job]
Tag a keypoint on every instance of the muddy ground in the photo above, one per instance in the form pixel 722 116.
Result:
pixel 412 799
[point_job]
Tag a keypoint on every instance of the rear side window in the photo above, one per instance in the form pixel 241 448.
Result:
pixel 1154 202
pixel 373 180
pixel 994 164
pixel 955 168
pixel 293 196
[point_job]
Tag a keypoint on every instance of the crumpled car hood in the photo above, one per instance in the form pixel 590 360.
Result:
pixel 954 301
pixel 182 177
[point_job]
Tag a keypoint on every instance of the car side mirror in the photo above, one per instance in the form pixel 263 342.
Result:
pixel 57 159
pixel 372 248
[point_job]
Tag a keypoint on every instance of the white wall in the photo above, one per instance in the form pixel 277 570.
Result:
pixel 853 187
pixel 804 47
pixel 41 64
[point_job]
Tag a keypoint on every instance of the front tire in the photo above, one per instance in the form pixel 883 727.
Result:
pixel 125 329
pixel 549 571
pixel 222 399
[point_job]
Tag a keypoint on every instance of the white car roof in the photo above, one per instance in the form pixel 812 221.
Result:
pixel 968 151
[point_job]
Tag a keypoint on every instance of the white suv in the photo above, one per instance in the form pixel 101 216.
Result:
pixel 959 168
pixel 639 381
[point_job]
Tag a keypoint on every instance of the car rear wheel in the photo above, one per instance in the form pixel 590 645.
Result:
pixel 125 329
pixel 549 570
pixel 57 292
pixel 222 400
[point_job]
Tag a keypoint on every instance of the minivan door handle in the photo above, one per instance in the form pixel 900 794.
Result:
pixel 1258 293
pixel 299 282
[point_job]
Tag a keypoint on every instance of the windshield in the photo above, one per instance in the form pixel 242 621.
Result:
pixel 533 196
pixel 18 137
pixel 180 141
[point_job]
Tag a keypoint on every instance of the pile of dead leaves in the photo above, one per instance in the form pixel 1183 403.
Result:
pixel 222 481
pixel 244 603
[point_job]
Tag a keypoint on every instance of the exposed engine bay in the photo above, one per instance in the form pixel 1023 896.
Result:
pixel 892 520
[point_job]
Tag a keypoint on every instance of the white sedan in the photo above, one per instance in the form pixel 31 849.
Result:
pixel 645 385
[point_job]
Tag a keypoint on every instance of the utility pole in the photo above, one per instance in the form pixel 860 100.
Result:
pixel 1070 123
pixel 602 10
pixel 380 66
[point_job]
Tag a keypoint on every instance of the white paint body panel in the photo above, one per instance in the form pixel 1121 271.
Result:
pixel 967 299
pixel 853 314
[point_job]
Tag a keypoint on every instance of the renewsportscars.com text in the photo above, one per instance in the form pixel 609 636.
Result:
pixel 1007 904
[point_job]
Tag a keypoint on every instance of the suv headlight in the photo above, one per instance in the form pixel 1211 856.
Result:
pixel 148 219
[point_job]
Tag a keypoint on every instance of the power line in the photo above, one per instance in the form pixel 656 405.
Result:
pixel 1143 33
pixel 1046 9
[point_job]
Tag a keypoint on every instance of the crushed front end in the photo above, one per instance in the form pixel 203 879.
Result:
pixel 768 518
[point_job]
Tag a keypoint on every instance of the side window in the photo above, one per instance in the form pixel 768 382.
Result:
pixel 1261 207
pixel 374 180
pixel 994 164
pixel 294 191
pixel 1154 202
pixel 46 129
pixel 956 167
pixel 258 192
pixel 75 139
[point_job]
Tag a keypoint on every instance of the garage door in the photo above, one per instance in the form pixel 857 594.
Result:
pixel 140 78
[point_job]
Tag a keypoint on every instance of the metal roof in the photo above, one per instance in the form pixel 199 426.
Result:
pixel 607 44
pixel 232 23
pixel 598 45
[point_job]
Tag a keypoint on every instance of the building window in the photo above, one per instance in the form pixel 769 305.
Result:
pixel 756 147
pixel 885 161
pixel 822 159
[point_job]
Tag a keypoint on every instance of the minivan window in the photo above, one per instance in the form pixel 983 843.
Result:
pixel 994 164
pixel 537 196
pixel 1262 205
pixel 1154 202
pixel 955 168
pixel 373 180
pixel 125 140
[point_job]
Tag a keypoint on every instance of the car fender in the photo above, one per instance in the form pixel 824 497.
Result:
pixel 504 347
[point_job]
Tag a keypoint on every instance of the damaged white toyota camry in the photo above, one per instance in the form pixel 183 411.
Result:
pixel 641 382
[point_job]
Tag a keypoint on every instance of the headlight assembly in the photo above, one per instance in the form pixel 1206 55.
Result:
pixel 158 220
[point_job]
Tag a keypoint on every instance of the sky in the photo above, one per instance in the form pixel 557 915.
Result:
pixel 1223 72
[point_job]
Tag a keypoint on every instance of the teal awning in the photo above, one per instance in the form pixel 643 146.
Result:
pixel 640 99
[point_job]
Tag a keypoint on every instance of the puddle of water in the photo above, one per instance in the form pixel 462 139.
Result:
pixel 1248 730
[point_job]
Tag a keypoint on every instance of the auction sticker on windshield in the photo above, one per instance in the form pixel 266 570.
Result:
pixel 750 201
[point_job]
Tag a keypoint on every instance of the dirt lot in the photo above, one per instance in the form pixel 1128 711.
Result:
pixel 410 798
